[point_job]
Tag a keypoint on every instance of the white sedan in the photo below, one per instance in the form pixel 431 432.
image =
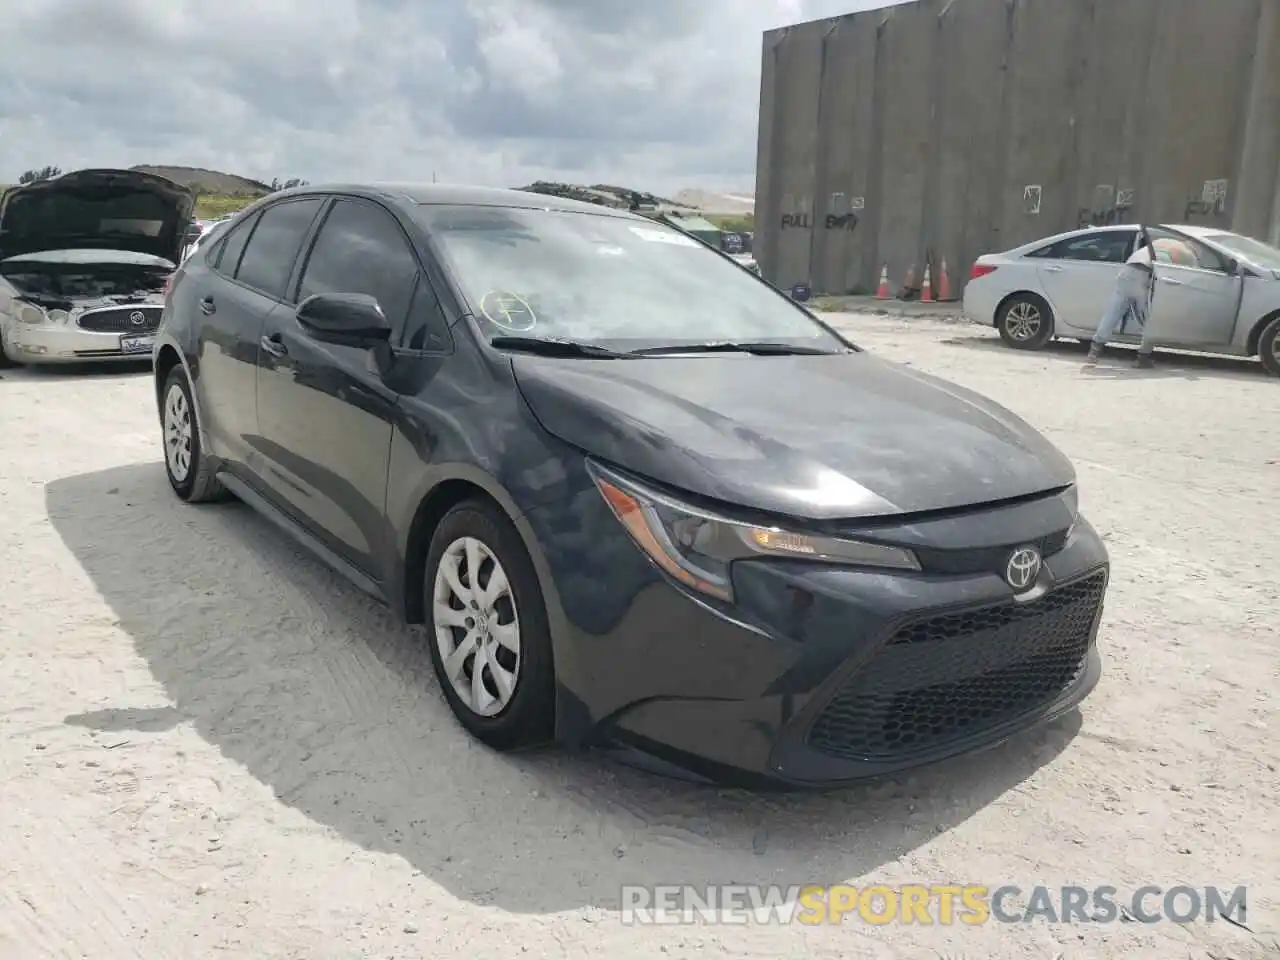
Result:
pixel 1216 291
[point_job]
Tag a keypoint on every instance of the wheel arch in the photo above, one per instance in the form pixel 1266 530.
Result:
pixel 437 502
pixel 457 485
pixel 1255 335
pixel 167 357
pixel 995 316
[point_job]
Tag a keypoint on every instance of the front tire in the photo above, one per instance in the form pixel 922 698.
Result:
pixel 5 360
pixel 1269 347
pixel 1025 322
pixel 190 473
pixel 489 638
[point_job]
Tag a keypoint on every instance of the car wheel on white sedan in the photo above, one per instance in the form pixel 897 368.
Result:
pixel 1025 321
pixel 190 473
pixel 1269 347
pixel 489 638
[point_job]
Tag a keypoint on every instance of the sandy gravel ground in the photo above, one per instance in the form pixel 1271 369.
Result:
pixel 210 746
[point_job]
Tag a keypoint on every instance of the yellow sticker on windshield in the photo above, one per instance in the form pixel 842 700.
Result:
pixel 509 311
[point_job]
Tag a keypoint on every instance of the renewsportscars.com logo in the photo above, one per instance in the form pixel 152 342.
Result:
pixel 941 904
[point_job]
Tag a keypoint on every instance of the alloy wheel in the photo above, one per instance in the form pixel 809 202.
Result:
pixel 477 627
pixel 178 432
pixel 1023 321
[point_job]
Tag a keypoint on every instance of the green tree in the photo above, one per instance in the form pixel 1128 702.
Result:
pixel 43 173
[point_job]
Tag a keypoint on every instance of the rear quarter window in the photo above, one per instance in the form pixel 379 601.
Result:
pixel 225 257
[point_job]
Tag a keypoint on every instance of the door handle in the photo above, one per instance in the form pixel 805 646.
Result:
pixel 274 345
pixel 1171 282
pixel 207 306
pixel 1053 269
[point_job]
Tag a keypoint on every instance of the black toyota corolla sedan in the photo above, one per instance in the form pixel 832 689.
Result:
pixel 637 497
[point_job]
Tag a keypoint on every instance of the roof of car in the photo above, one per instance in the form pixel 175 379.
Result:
pixel 440 193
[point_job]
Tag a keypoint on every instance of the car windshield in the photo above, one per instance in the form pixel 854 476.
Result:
pixel 1263 254
pixel 608 280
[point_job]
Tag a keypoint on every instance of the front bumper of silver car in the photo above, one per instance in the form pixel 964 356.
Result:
pixel 117 332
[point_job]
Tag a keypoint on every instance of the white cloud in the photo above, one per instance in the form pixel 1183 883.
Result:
pixel 659 94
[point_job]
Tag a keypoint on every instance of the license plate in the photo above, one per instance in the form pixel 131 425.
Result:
pixel 137 344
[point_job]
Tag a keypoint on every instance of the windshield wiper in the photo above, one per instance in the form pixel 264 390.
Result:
pixel 763 349
pixel 554 347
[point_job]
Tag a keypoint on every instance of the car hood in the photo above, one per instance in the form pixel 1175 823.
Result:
pixel 100 209
pixel 813 437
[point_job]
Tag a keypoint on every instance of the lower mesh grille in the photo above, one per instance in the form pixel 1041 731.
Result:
pixel 950 677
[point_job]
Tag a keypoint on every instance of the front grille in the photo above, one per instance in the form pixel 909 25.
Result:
pixel 987 560
pixel 120 319
pixel 951 677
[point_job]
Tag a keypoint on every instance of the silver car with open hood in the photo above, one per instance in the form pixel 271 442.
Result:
pixel 84 261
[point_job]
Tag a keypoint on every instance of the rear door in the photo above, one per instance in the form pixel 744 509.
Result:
pixel 229 319
pixel 325 411
pixel 1078 275
pixel 1196 296
pixel 251 293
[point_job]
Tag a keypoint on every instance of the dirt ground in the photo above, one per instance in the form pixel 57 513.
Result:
pixel 211 746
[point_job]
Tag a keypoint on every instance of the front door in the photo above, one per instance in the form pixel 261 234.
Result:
pixel 1196 297
pixel 1079 274
pixel 325 412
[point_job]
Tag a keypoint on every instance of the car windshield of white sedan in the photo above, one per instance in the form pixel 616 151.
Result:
pixel 608 280
pixel 1263 254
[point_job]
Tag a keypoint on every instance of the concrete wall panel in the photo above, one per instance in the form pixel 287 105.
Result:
pixel 843 188
pixel 794 150
pixel 908 48
pixel 975 125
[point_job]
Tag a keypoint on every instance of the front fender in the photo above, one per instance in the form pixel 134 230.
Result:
pixel 528 469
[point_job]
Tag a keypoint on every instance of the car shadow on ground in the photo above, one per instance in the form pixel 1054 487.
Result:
pixel 314 689
pixel 1116 361
pixel 75 371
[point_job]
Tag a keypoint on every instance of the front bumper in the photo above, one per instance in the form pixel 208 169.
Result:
pixel 820 675
pixel 66 343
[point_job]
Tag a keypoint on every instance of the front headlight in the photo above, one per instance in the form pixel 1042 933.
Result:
pixel 58 316
pixel 30 313
pixel 697 547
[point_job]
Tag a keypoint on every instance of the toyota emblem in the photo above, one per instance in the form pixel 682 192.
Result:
pixel 1023 568
pixel 137 318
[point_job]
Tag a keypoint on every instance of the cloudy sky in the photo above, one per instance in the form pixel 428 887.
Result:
pixel 661 94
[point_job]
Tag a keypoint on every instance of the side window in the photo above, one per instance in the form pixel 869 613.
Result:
pixel 1178 250
pixel 1111 246
pixel 361 249
pixel 274 245
pixel 227 257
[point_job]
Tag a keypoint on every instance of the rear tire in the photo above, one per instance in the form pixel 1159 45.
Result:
pixel 190 473
pixel 495 624
pixel 1025 322
pixel 1269 347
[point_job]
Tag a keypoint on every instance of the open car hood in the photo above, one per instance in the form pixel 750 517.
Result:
pixel 97 209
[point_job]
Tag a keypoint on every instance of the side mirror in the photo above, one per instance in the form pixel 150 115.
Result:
pixel 345 319
pixel 1233 267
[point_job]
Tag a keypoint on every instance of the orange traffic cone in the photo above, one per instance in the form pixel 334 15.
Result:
pixel 884 293
pixel 926 289
pixel 944 283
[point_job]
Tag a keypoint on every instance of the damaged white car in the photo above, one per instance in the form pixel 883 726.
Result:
pixel 84 262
